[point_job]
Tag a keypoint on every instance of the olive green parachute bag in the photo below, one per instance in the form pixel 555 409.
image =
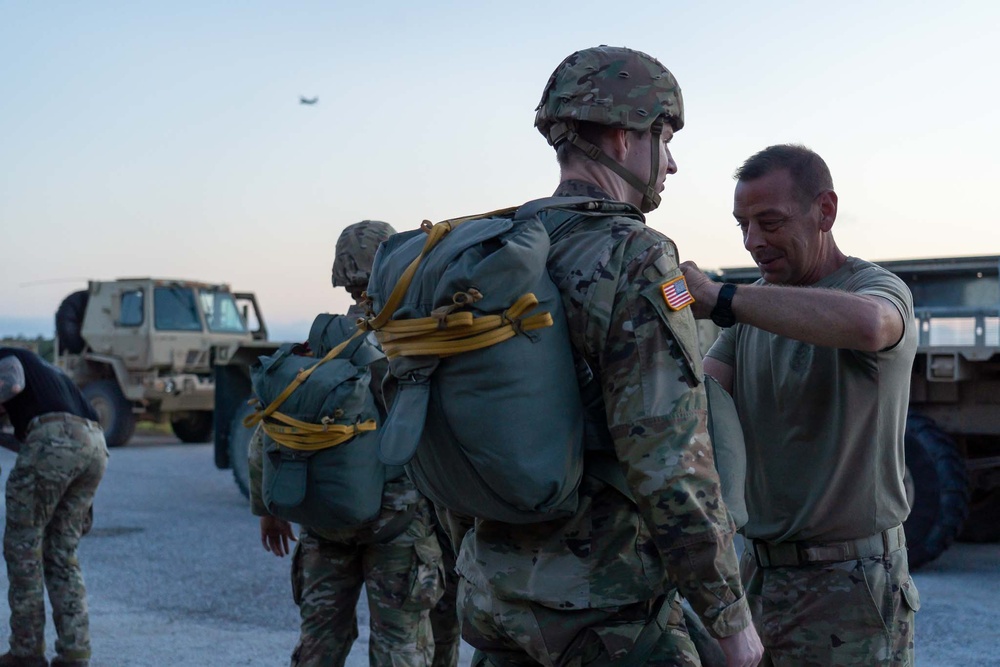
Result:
pixel 493 417
pixel 320 420
pixel 488 417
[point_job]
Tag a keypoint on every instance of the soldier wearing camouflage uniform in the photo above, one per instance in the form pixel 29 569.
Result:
pixel 607 582
pixel 396 557
pixel 818 356
pixel 50 491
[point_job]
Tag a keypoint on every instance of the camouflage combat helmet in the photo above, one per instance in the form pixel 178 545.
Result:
pixel 612 86
pixel 356 248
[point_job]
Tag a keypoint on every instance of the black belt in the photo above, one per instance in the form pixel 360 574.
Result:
pixel 63 417
pixel 792 554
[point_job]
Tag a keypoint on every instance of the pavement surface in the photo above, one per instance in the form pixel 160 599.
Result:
pixel 176 575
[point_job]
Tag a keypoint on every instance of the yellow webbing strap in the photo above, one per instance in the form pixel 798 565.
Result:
pixel 427 336
pixel 457 332
pixel 299 434
pixel 304 436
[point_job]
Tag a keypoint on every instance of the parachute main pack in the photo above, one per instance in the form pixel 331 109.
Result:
pixel 488 417
pixel 494 417
pixel 321 466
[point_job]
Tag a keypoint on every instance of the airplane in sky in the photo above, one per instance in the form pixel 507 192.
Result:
pixel 308 100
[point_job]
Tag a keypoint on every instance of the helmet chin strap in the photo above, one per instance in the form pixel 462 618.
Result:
pixel 650 197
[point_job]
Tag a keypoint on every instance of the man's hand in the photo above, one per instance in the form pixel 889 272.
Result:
pixel 704 290
pixel 275 534
pixel 743 649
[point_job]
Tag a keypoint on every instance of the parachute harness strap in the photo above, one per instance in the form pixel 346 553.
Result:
pixel 300 435
pixel 563 131
pixel 449 331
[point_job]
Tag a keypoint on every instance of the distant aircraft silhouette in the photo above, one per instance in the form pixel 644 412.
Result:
pixel 308 100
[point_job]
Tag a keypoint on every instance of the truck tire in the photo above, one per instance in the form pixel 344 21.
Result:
pixel 113 411
pixel 983 523
pixel 941 490
pixel 69 322
pixel 239 449
pixel 192 425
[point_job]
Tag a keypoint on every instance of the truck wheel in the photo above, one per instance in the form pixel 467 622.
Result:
pixel 983 522
pixel 192 425
pixel 941 490
pixel 239 449
pixel 113 411
pixel 69 321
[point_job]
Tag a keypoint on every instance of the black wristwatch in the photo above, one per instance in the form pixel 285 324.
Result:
pixel 722 314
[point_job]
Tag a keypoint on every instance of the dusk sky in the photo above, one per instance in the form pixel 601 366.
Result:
pixel 167 139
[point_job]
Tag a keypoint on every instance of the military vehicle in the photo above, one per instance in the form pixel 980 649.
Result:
pixel 233 392
pixel 145 348
pixel 953 426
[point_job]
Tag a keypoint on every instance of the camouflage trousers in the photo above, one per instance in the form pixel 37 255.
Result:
pixel 49 495
pixel 512 633
pixel 858 612
pixel 403 580
pixel 444 615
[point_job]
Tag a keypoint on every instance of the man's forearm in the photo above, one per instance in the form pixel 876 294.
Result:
pixel 830 318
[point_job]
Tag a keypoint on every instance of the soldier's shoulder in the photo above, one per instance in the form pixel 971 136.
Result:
pixel 642 243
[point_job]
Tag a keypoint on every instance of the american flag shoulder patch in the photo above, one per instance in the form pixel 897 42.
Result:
pixel 676 294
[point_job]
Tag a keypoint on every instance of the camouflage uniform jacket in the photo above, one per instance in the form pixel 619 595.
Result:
pixel 399 497
pixel 678 534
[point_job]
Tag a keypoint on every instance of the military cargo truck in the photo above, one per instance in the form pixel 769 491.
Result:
pixel 953 427
pixel 145 348
pixel 233 391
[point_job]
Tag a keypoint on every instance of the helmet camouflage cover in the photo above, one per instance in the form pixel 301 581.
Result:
pixel 352 265
pixel 611 86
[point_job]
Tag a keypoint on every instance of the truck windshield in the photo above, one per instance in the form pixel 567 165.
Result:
pixel 174 309
pixel 221 312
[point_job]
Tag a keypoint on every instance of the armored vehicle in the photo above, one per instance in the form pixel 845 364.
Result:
pixel 953 426
pixel 145 348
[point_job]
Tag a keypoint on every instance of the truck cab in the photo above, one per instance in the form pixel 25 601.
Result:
pixel 144 348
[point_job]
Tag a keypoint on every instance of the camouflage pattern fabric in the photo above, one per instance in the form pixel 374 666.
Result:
pixel 444 615
pixel 255 454
pixel 613 554
pixel 611 86
pixel 403 580
pixel 356 248
pixel 400 565
pixel 858 612
pixel 49 493
pixel 548 636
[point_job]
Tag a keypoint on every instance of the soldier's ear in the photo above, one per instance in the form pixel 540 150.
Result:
pixel 618 143
pixel 827 202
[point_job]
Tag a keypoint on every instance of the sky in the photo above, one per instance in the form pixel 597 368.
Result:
pixel 166 139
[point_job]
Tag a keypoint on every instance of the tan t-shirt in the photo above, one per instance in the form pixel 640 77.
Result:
pixel 824 426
